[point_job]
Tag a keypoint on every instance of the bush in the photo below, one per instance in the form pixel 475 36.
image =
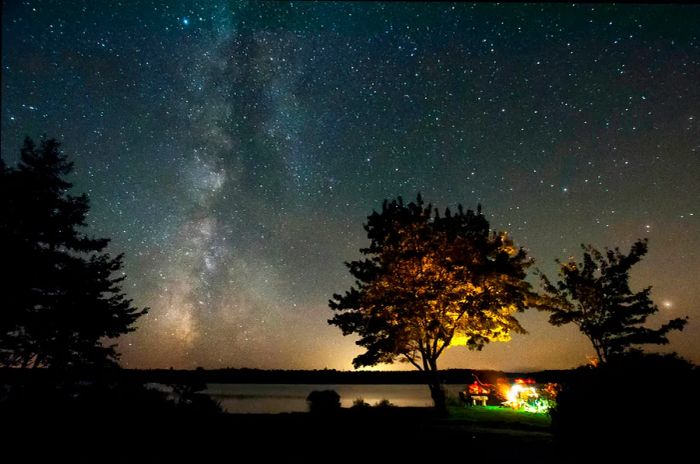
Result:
pixel 323 402
pixel 385 404
pixel 360 403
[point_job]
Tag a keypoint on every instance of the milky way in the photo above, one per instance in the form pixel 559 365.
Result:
pixel 233 150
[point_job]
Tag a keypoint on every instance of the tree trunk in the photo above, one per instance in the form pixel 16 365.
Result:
pixel 437 393
pixel 599 351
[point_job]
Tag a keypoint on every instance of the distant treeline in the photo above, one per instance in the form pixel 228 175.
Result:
pixel 245 375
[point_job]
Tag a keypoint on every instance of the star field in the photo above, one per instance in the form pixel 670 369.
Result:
pixel 233 150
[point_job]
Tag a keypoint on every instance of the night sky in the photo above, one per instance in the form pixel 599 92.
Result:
pixel 233 150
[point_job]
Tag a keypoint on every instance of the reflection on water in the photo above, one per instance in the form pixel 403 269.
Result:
pixel 276 398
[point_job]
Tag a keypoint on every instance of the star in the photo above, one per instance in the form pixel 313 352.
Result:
pixel 236 170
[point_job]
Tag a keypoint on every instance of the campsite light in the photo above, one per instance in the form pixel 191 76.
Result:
pixel 525 395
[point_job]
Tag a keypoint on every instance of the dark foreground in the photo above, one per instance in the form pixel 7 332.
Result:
pixel 371 435
pixel 640 411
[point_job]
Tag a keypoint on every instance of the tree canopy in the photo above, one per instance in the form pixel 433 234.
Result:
pixel 430 281
pixel 61 292
pixel 595 295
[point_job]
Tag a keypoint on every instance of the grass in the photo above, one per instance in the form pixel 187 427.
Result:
pixel 499 415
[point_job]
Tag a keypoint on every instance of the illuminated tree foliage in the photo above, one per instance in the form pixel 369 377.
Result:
pixel 428 282
pixel 60 300
pixel 596 296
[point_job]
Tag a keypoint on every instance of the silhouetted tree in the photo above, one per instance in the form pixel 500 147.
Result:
pixel 60 299
pixel 633 408
pixel 596 296
pixel 428 282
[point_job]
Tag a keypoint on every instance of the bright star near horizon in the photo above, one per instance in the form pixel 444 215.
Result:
pixel 235 171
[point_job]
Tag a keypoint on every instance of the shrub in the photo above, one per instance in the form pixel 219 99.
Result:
pixel 385 404
pixel 323 402
pixel 360 403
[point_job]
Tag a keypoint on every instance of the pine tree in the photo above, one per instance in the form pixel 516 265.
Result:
pixel 596 296
pixel 61 300
pixel 430 282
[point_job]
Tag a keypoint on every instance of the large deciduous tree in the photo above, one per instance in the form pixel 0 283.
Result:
pixel 60 295
pixel 596 296
pixel 430 281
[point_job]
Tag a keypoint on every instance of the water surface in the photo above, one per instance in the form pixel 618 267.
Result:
pixel 277 398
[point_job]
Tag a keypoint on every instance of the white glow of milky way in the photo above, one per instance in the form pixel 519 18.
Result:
pixel 232 151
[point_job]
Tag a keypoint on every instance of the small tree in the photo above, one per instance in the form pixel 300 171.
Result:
pixel 60 298
pixel 429 282
pixel 596 296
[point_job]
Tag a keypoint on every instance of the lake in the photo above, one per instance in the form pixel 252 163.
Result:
pixel 277 398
